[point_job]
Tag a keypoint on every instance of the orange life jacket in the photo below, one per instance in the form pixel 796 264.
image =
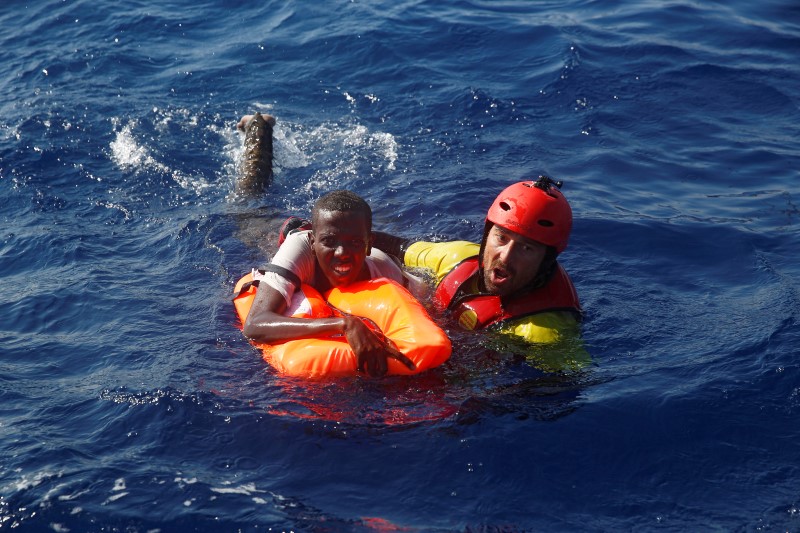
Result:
pixel 399 316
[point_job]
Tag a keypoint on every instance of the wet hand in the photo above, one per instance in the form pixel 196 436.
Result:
pixel 372 351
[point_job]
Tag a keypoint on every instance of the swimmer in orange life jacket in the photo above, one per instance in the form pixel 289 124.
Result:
pixel 335 253
pixel 511 282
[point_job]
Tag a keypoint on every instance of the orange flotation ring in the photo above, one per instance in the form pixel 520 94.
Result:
pixel 391 307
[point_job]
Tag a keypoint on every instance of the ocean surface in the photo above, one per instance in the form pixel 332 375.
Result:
pixel 129 399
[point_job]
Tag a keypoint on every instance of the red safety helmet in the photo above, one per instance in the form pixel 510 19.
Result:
pixel 535 209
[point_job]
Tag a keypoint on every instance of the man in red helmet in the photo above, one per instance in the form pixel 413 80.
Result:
pixel 511 282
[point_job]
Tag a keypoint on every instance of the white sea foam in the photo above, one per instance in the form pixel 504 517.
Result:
pixel 131 154
pixel 247 489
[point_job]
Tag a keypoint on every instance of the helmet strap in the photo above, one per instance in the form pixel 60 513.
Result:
pixel 487 227
pixel 547 268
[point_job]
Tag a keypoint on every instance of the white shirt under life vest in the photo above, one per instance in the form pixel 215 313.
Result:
pixel 296 255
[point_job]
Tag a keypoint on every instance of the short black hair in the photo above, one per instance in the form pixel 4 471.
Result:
pixel 343 201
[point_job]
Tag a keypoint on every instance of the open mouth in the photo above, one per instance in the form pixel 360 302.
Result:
pixel 343 270
pixel 500 275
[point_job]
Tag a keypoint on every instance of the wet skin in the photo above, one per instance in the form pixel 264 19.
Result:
pixel 341 242
pixel 510 261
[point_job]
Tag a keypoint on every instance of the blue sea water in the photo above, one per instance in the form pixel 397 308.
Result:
pixel 129 400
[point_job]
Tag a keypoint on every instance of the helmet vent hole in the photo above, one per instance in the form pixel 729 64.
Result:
pixel 504 206
pixel 546 223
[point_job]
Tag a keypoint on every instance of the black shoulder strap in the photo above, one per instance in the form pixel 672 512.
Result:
pixel 290 276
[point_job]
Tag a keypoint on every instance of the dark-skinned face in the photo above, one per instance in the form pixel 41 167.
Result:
pixel 341 242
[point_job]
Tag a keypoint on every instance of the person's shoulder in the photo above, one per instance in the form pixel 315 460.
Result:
pixel 377 254
pixel 450 251
pixel 440 257
pixel 301 236
pixel 296 242
pixel 466 248
pixel 463 248
pixel 383 265
pixel 381 259
pixel 296 255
